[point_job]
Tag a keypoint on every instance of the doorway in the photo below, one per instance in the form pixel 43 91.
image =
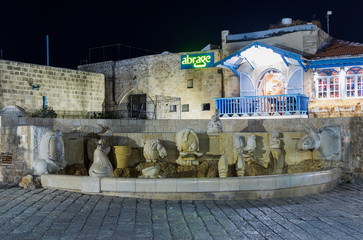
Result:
pixel 137 106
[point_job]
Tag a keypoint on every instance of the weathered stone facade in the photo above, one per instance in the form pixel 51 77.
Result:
pixel 65 89
pixel 160 75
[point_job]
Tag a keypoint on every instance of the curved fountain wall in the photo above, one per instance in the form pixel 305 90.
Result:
pixel 267 186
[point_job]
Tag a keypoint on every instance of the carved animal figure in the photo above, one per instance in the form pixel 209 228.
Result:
pixel 51 154
pixel 91 147
pixel 101 166
pixel 187 141
pixel 325 140
pixel 153 150
pixel 215 124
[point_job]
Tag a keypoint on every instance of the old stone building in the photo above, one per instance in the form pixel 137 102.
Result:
pixel 271 67
pixel 291 71
pixel 155 87
pixel 24 85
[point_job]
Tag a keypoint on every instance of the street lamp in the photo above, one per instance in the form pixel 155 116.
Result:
pixel 328 13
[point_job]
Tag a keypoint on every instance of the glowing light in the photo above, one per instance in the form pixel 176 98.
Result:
pixel 193 61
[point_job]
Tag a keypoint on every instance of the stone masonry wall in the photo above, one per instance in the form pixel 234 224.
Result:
pixel 160 75
pixel 66 90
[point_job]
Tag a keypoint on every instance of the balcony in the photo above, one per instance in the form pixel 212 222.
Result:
pixel 271 105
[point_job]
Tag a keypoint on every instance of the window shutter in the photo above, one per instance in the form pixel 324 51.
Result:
pixel 246 86
pixel 295 84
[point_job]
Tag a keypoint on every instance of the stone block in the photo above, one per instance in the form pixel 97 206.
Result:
pixel 307 179
pixel 186 185
pixel 248 183
pixel 61 181
pixel 296 180
pixel 108 185
pixel 208 185
pixel 91 184
pixel 125 185
pixel 283 181
pixel 165 185
pixel 145 185
pixel 229 184
pixel 267 183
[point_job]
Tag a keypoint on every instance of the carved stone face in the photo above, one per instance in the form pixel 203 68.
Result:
pixel 308 143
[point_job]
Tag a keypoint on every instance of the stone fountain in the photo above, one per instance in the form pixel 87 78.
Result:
pixel 189 164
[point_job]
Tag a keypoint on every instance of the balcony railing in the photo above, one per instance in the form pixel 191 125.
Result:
pixel 289 104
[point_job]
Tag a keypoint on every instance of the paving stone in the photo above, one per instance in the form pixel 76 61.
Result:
pixel 57 214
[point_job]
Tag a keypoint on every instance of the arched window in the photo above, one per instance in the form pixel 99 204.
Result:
pixel 328 84
pixel 353 81
pixel 271 82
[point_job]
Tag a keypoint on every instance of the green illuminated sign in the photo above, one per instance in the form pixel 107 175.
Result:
pixel 195 61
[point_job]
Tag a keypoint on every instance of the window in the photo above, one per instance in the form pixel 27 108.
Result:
pixel 206 107
pixel 271 82
pixel 190 83
pixel 328 84
pixel 6 158
pixel 172 108
pixel 353 81
pixel 185 108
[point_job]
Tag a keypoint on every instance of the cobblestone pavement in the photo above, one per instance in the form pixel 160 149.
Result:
pixel 56 214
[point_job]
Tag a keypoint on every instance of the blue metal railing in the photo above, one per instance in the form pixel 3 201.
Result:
pixel 288 104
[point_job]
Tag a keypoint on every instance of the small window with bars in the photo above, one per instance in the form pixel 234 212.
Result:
pixel 190 83
pixel 206 107
pixel 6 159
pixel 185 108
pixel 172 108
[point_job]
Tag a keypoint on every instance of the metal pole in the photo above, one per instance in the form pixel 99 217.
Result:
pixel 47 50
pixel 1 54
pixel 328 24
pixel 44 106
pixel 44 101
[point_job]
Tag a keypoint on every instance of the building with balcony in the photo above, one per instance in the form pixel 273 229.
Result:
pixel 293 71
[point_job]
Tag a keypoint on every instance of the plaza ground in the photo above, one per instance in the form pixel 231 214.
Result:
pixel 57 214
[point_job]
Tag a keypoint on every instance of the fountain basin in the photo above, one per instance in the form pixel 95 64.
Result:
pixel 231 188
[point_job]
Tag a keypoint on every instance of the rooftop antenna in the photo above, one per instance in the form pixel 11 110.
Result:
pixel 47 50
pixel 328 13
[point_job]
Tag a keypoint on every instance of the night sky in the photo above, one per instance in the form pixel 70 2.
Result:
pixel 175 26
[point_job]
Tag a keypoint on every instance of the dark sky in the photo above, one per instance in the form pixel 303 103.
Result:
pixel 176 25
